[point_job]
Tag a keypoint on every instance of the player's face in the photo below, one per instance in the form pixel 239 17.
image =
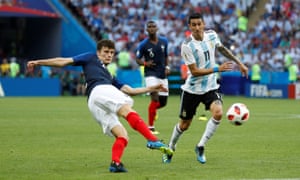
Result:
pixel 152 28
pixel 197 27
pixel 106 55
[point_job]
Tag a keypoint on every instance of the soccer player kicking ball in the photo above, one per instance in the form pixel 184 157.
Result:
pixel 198 53
pixel 108 99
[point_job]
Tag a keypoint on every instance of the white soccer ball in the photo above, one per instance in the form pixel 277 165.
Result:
pixel 238 114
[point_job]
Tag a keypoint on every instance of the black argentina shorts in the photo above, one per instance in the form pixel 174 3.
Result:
pixel 189 102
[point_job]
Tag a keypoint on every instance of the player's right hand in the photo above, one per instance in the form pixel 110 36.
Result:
pixel 226 66
pixel 150 63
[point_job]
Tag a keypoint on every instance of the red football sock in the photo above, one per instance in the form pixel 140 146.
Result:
pixel 118 149
pixel 139 125
pixel 153 106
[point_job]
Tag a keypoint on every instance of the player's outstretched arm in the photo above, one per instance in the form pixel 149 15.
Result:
pixel 227 53
pixel 55 62
pixel 135 91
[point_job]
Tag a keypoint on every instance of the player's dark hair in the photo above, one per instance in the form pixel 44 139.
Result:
pixel 150 22
pixel 195 16
pixel 105 43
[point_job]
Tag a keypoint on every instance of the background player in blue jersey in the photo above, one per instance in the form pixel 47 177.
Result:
pixel 108 99
pixel 198 53
pixel 152 53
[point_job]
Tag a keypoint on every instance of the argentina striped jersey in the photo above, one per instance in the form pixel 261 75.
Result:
pixel 202 53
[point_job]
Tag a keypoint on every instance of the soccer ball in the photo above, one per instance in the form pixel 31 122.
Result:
pixel 238 114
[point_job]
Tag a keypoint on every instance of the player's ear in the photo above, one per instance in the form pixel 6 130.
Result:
pixel 98 52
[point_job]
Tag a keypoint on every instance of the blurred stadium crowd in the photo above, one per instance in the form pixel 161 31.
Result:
pixel 272 42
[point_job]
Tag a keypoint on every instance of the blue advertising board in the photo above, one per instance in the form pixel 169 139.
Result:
pixel 30 87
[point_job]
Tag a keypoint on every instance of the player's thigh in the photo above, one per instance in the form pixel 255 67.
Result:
pixel 211 97
pixel 188 105
pixel 108 121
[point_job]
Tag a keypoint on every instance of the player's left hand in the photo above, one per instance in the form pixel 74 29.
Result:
pixel 30 65
pixel 244 70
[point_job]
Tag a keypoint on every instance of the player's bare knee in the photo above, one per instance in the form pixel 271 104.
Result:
pixel 217 115
pixel 216 110
pixel 124 110
pixel 184 125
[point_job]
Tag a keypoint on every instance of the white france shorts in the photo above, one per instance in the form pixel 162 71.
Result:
pixel 152 81
pixel 104 102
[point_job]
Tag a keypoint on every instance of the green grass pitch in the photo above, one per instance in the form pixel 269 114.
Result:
pixel 47 138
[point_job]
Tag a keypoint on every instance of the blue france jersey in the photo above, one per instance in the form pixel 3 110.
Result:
pixel 95 71
pixel 156 52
